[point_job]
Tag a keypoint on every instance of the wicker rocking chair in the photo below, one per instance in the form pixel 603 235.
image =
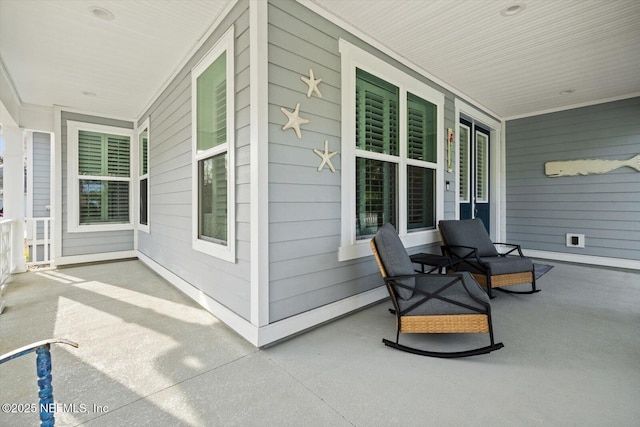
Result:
pixel 430 303
pixel 469 247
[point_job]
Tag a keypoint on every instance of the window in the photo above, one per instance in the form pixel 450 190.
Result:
pixel 213 151
pixel 143 177
pixel 391 171
pixel 99 181
pixel 463 162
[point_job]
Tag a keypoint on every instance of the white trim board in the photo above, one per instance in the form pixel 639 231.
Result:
pixel 573 106
pixel 259 162
pixel 100 257
pixel 583 259
pixel 269 334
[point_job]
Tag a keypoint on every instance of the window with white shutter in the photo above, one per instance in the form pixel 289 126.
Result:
pixel 392 127
pixel 379 157
pixel 104 163
pixel 99 177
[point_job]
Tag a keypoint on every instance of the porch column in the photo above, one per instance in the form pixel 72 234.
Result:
pixel 13 196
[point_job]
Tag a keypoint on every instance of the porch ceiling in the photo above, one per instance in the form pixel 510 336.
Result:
pixel 57 51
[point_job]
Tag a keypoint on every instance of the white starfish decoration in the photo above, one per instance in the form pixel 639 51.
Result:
pixel 326 157
pixel 294 120
pixel 313 84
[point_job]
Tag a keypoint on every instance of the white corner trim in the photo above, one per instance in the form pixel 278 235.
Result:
pixel 261 336
pixel 259 162
pixel 292 325
pixel 244 328
pixel 56 187
pixel 583 259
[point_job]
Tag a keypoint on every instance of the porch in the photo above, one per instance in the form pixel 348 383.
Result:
pixel 149 355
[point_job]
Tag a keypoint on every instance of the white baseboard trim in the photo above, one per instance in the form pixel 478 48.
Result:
pixel 106 256
pixel 584 259
pixel 275 331
pixel 239 324
pixel 292 325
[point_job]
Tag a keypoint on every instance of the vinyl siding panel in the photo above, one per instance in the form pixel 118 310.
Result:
pixel 305 205
pixel 169 241
pixel 86 243
pixel 541 209
pixel 41 174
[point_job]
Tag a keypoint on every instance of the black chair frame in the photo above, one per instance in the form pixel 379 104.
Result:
pixel 473 264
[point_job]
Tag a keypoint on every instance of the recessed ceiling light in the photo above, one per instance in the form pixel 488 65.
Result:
pixel 514 9
pixel 102 13
pixel 567 92
pixel 87 93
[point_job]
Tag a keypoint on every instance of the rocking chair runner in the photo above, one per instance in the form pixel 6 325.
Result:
pixel 468 245
pixel 430 303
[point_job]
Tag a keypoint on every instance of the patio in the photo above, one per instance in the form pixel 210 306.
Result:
pixel 148 355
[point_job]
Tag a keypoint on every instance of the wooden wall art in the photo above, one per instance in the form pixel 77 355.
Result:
pixel 588 167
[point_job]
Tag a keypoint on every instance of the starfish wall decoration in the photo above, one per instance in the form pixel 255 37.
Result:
pixel 313 84
pixel 294 120
pixel 325 156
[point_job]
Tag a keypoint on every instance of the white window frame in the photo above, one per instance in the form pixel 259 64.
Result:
pixel 467 161
pixel 353 57
pixel 73 179
pixel 224 46
pixel 140 176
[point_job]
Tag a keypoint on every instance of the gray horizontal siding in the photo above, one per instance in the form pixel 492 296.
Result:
pixel 305 205
pixel 41 173
pixel 169 242
pixel 89 242
pixel 541 209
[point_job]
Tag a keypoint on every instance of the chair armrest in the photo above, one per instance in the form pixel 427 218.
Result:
pixel 457 260
pixel 455 279
pixel 513 247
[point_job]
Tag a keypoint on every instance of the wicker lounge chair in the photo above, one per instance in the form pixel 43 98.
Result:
pixel 430 303
pixel 470 248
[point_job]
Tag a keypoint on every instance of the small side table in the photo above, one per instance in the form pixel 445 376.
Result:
pixel 436 262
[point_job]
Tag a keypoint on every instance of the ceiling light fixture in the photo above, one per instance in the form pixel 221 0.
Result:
pixel 512 10
pixel 567 92
pixel 102 13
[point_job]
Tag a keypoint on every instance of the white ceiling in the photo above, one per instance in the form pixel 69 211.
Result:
pixel 57 50
pixel 54 50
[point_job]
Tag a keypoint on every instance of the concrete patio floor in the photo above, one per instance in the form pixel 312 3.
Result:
pixel 149 355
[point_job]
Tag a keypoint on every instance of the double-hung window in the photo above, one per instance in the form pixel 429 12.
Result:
pixel 213 151
pixel 143 177
pixel 99 177
pixel 391 126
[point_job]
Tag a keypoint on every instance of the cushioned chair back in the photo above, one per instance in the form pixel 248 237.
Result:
pixel 394 258
pixel 467 232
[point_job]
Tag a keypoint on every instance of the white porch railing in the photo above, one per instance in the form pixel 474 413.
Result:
pixel 38 241
pixel 5 256
pixel 5 250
